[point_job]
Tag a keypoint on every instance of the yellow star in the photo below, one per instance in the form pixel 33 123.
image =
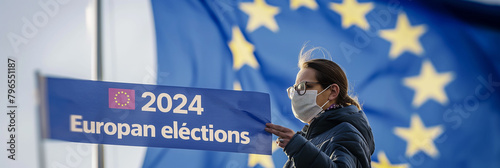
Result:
pixel 265 161
pixel 383 162
pixel 404 37
pixel 429 85
pixel 353 13
pixel 236 86
pixel 261 14
pixel 242 50
pixel 296 4
pixel 419 138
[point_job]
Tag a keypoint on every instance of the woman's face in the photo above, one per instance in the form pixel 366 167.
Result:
pixel 309 75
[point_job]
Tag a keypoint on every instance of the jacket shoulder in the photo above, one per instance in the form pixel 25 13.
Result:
pixel 341 132
pixel 347 138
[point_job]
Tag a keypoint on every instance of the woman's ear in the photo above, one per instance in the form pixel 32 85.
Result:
pixel 334 92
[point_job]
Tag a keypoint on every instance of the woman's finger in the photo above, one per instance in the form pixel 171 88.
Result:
pixel 275 132
pixel 282 129
pixel 284 132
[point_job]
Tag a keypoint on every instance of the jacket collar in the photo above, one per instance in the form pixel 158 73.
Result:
pixel 334 117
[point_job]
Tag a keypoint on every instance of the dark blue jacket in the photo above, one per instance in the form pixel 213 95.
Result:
pixel 337 138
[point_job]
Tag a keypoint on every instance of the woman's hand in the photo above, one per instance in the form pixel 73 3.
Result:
pixel 284 134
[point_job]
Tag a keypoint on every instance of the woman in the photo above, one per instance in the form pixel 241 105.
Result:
pixel 338 134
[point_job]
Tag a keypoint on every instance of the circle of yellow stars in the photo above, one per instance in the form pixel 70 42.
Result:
pixel 124 93
pixel 403 38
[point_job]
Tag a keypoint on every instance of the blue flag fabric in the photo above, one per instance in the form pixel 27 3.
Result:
pixel 427 78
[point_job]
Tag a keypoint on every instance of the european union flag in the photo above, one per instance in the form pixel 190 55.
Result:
pixel 427 73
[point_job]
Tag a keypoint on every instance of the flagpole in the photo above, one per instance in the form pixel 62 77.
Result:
pixel 42 120
pixel 100 147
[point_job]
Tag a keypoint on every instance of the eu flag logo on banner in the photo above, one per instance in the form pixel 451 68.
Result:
pixel 121 98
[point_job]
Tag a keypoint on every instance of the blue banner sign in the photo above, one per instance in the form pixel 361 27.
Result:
pixel 156 116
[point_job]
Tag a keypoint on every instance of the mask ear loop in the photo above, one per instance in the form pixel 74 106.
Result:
pixel 324 89
pixel 325 104
pixel 322 110
pixel 322 92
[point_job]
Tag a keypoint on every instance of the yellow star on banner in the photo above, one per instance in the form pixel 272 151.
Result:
pixel 429 85
pixel 261 14
pixel 265 161
pixel 353 13
pixel 242 50
pixel 383 162
pixel 404 37
pixel 296 4
pixel 419 138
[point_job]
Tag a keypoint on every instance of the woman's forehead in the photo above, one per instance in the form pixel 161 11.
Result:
pixel 306 74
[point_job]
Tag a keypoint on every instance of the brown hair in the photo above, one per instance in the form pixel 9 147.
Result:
pixel 327 73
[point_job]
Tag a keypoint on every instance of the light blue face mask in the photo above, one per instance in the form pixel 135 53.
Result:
pixel 304 107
